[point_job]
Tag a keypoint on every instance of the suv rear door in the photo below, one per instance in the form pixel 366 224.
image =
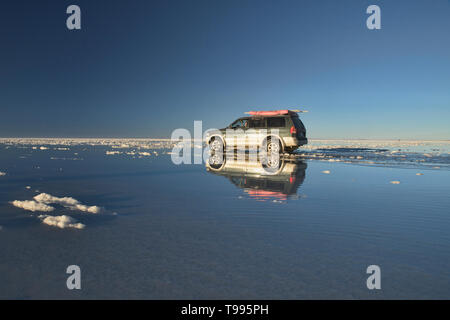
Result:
pixel 277 126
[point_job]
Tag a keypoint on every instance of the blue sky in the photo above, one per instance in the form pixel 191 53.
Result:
pixel 145 68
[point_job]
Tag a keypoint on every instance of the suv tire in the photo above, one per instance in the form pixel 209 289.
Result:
pixel 273 145
pixel 216 145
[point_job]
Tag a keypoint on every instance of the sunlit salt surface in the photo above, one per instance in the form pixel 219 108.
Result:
pixel 427 154
pixel 141 227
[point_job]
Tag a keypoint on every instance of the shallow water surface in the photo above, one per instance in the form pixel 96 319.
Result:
pixel 308 231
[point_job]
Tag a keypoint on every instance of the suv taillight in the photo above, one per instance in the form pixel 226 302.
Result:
pixel 293 130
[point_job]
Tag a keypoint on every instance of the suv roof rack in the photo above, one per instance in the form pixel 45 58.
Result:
pixel 273 113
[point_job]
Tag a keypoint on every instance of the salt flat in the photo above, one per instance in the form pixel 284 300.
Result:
pixel 141 227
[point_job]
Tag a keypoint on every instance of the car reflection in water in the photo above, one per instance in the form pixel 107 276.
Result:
pixel 278 181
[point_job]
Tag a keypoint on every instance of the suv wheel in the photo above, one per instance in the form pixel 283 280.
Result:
pixel 274 146
pixel 216 145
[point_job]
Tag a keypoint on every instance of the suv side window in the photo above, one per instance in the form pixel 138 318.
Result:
pixel 277 122
pixel 256 123
pixel 240 123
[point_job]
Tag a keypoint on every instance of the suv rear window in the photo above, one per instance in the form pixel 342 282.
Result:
pixel 276 122
pixel 256 123
pixel 298 123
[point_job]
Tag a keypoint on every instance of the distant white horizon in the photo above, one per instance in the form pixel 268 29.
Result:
pixel 168 139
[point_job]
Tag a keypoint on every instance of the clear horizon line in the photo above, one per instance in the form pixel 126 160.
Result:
pixel 168 139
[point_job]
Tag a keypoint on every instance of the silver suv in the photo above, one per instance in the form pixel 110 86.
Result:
pixel 274 131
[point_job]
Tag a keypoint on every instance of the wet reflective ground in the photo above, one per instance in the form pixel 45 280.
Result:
pixel 306 230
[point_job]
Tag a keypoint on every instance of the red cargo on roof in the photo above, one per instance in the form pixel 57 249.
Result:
pixel 269 113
